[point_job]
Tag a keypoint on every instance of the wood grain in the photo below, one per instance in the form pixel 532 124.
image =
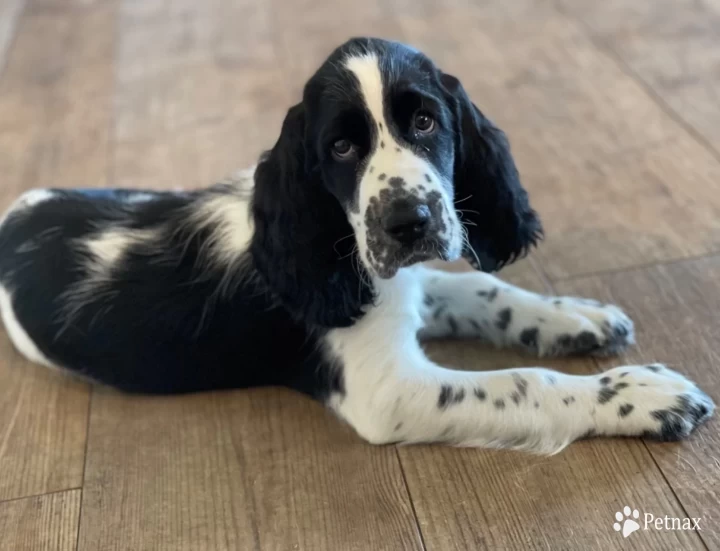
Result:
pixel 186 65
pixel 261 469
pixel 9 14
pixel 55 96
pixel 506 500
pixel 673 47
pixel 677 313
pixel 41 523
pixel 43 423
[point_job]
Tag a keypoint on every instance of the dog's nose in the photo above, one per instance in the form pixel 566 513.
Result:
pixel 407 221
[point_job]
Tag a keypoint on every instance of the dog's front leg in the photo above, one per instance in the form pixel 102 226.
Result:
pixel 393 393
pixel 475 304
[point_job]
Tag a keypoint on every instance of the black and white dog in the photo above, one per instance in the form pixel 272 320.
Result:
pixel 308 272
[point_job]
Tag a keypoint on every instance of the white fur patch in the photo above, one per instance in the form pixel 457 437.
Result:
pixel 17 333
pixel 228 215
pixel 27 200
pixel 139 197
pixel 108 247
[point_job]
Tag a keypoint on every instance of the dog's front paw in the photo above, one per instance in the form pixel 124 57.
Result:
pixel 581 326
pixel 651 401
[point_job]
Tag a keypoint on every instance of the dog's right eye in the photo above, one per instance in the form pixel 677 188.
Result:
pixel 343 150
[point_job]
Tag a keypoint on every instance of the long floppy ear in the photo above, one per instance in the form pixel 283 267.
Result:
pixel 303 245
pixel 501 225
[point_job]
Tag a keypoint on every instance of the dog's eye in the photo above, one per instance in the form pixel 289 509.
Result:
pixel 343 150
pixel 423 122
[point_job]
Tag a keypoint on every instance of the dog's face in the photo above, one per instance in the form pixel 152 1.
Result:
pixel 384 137
pixel 385 163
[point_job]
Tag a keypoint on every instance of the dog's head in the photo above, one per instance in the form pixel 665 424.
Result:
pixel 385 163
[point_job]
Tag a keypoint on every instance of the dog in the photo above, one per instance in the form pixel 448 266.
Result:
pixel 311 271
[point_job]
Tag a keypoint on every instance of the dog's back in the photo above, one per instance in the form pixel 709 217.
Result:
pixel 125 288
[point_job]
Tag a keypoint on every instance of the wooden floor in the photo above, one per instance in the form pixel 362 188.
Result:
pixel 613 109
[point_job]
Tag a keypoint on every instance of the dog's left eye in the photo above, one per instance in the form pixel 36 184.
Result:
pixel 343 150
pixel 423 122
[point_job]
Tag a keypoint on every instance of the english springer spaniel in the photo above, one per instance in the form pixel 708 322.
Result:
pixel 310 271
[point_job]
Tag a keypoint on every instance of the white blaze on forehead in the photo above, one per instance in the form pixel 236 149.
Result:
pixel 366 68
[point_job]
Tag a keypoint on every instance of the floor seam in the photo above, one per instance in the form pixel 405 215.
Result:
pixel 33 496
pixel 412 501
pixel 637 267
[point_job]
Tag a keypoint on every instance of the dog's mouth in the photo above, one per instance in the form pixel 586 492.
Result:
pixel 387 262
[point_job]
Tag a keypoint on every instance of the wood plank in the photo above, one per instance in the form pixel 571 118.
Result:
pixel 196 156
pixel 673 46
pixel 600 158
pixel 510 500
pixel 9 15
pixel 184 65
pixel 676 309
pixel 54 101
pixel 259 469
pixel 43 423
pixel 41 523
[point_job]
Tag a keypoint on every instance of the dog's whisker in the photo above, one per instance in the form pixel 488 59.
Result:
pixel 464 199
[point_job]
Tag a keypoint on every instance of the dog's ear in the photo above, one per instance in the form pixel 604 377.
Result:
pixel 303 246
pixel 500 223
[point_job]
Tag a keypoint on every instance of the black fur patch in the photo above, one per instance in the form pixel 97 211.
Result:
pixel 581 343
pixel 337 381
pixel 625 410
pixel 480 394
pixel 521 384
pixel 605 381
pixel 569 400
pixel 448 397
pixel 453 325
pixel 499 403
pixel 504 318
pixel 492 295
pixel 605 395
pixel 652 367
pixel 529 338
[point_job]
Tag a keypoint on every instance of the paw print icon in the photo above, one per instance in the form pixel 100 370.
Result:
pixel 627 521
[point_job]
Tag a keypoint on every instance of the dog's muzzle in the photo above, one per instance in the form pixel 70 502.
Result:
pixel 405 230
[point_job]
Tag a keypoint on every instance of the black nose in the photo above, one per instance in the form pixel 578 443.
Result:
pixel 407 221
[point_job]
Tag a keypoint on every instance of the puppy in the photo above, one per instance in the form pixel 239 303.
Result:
pixel 310 272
